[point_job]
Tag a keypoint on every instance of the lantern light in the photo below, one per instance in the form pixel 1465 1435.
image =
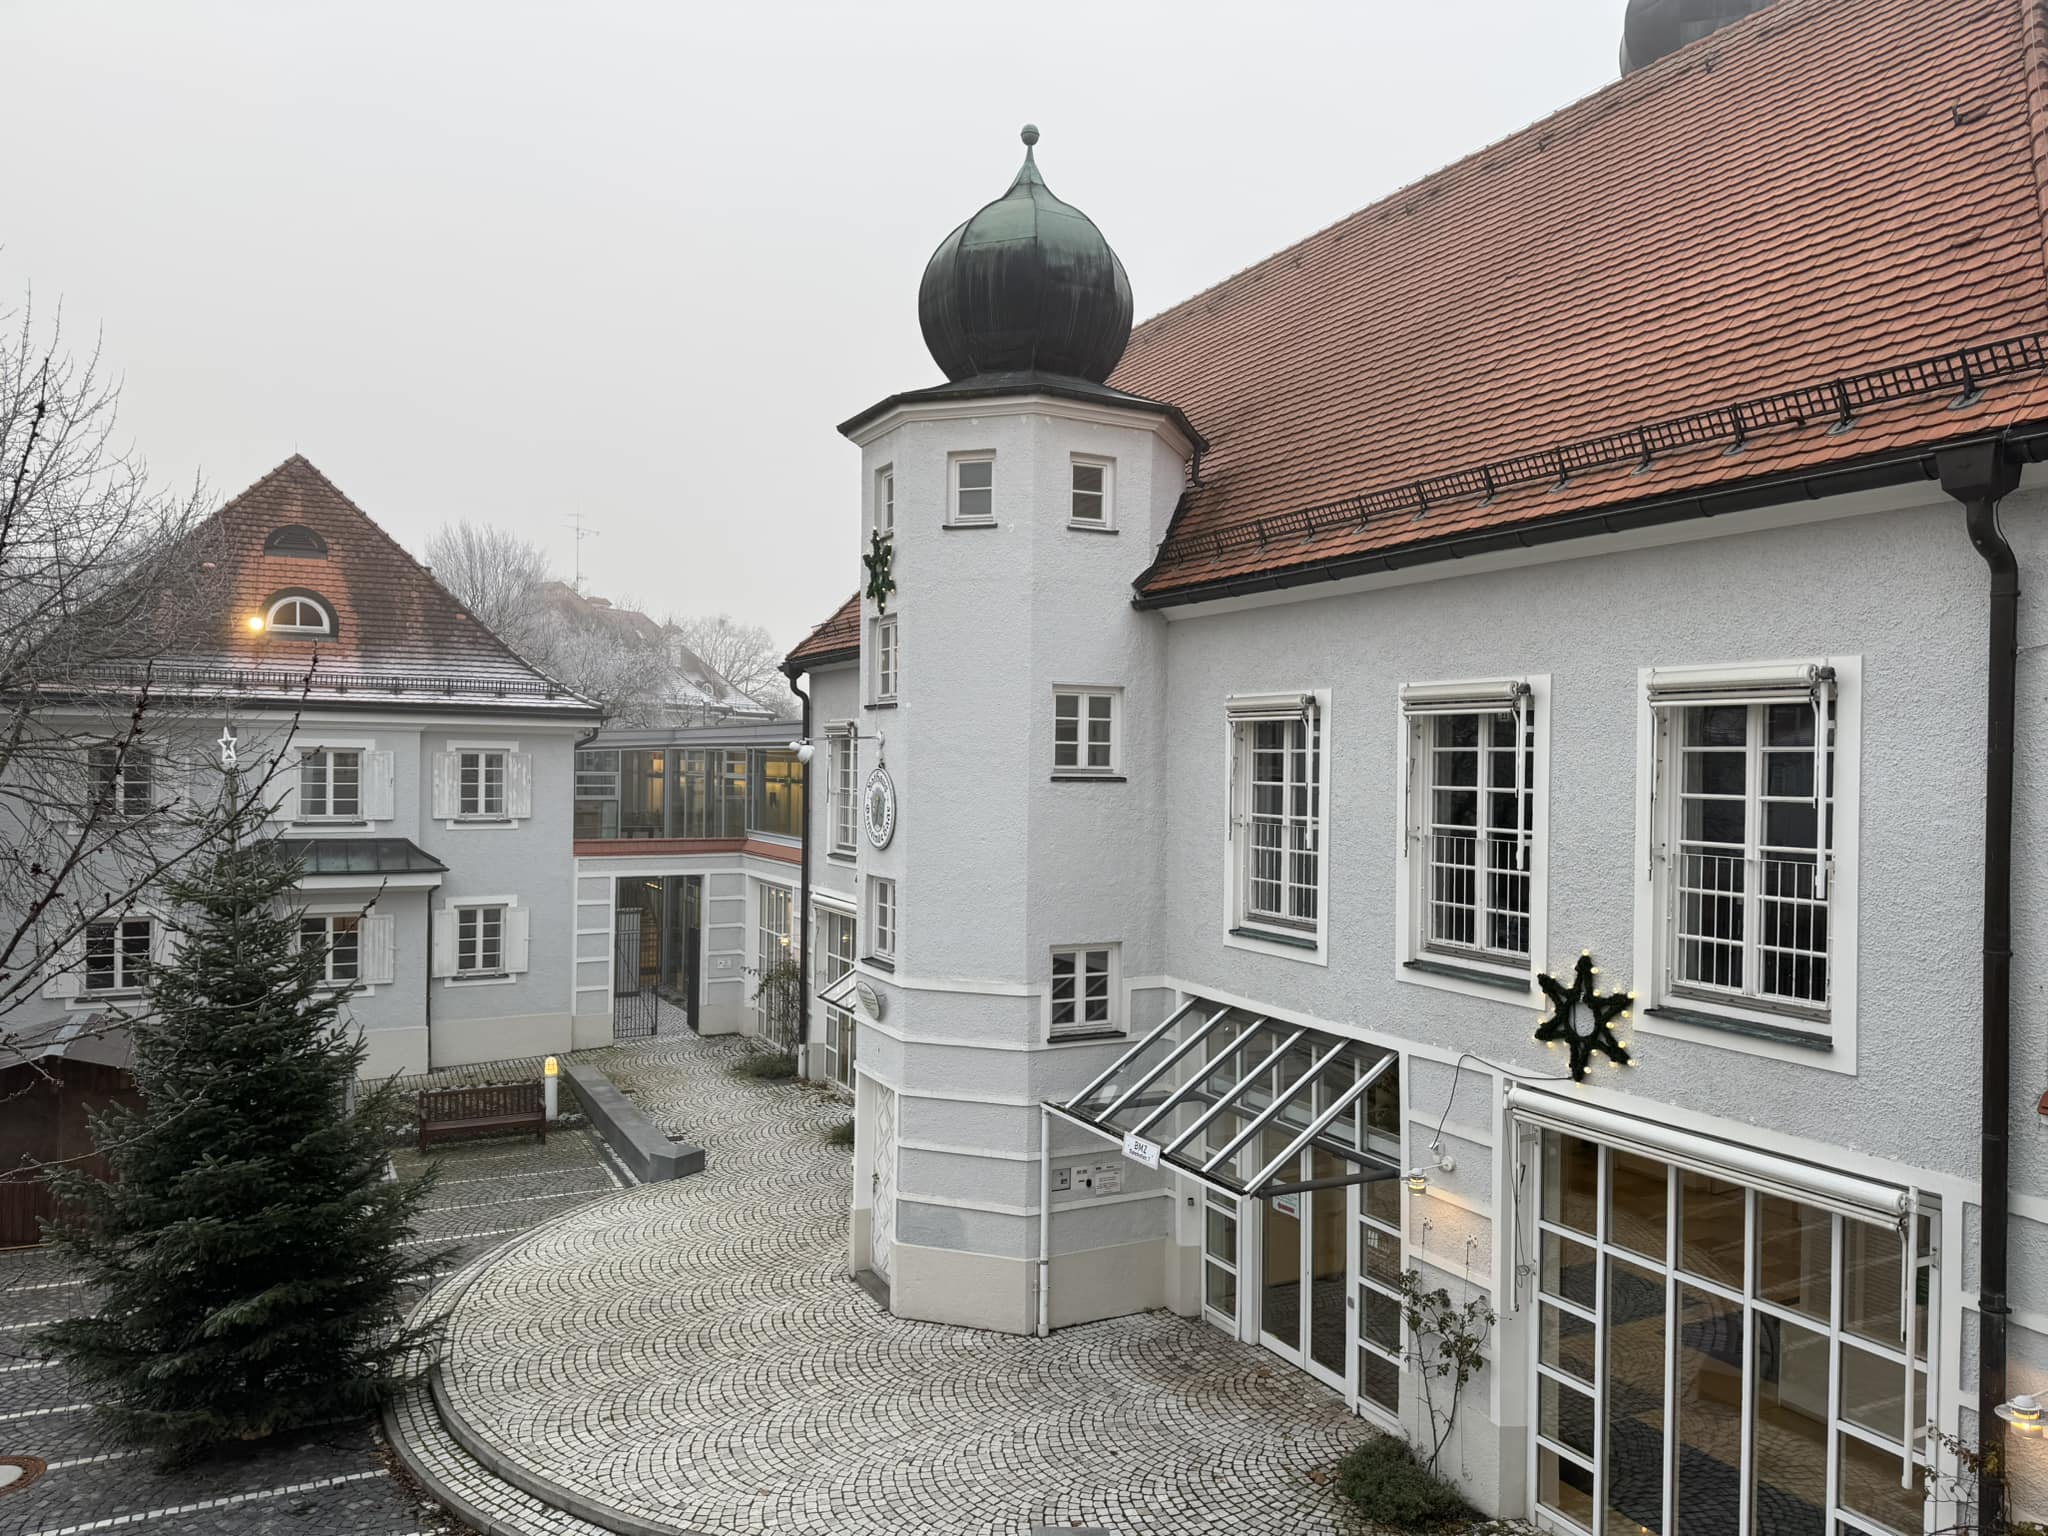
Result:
pixel 2023 1413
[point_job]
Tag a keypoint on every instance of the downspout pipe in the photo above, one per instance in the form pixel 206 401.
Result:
pixel 803 917
pixel 1980 476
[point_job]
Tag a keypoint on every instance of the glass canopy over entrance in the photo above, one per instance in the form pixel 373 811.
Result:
pixel 1234 1099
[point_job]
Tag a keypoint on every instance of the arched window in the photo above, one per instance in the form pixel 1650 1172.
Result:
pixel 299 613
pixel 295 540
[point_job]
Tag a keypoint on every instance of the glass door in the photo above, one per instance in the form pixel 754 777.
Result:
pixel 1282 1254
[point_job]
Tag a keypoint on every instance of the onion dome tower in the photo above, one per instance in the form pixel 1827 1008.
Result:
pixel 1026 286
pixel 1654 28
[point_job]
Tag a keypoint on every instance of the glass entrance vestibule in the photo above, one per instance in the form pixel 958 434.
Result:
pixel 1719 1357
pixel 1293 1134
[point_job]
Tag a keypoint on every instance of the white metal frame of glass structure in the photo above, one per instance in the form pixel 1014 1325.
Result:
pixel 1282 1126
pixel 1713 1357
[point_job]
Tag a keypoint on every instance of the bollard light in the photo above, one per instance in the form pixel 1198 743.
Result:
pixel 550 1075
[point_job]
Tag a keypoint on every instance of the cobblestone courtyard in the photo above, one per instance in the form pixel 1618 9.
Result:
pixel 333 1481
pixel 692 1357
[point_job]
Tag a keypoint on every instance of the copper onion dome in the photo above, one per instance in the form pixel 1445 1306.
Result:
pixel 1026 285
pixel 1654 28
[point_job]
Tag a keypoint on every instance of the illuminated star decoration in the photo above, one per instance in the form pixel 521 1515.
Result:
pixel 1582 1018
pixel 880 556
pixel 227 747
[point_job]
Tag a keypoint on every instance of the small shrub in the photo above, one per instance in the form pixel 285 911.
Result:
pixel 1389 1487
pixel 773 1065
pixel 840 1135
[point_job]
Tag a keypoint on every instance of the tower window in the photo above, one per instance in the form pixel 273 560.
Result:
pixel 974 490
pixel 885 503
pixel 1091 504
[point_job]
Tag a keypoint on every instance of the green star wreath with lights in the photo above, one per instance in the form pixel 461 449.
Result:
pixel 880 557
pixel 1590 1031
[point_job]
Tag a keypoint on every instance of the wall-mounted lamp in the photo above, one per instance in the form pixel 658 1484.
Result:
pixel 2023 1413
pixel 804 750
pixel 1418 1181
pixel 255 623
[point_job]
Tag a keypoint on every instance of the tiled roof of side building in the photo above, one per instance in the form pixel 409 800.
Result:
pixel 397 631
pixel 837 639
pixel 1828 189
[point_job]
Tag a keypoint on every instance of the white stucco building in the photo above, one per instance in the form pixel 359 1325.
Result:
pixel 1592 550
pixel 420 768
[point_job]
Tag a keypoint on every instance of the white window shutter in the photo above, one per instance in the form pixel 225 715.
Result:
pixel 444 784
pixel 163 942
pixel 284 786
pixel 377 942
pixel 379 776
pixel 518 783
pixel 515 938
pixel 444 942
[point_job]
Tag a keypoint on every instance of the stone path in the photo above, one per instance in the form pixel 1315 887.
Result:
pixel 692 1358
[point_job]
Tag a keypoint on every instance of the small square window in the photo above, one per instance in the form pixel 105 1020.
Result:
pixel 1091 494
pixel 1084 989
pixel 974 492
pixel 117 954
pixel 1084 731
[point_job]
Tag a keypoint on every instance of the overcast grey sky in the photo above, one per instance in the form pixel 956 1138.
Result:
pixel 505 261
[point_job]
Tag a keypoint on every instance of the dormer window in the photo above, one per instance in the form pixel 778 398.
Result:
pixel 299 613
pixel 296 541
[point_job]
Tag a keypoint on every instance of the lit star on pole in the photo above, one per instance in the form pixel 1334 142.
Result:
pixel 1582 1017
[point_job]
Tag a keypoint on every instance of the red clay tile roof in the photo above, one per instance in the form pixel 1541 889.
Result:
pixel 394 623
pixel 1828 188
pixel 837 639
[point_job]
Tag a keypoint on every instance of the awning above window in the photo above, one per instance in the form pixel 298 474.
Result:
pixel 1235 1099
pixel 840 993
pixel 1270 706
pixel 1797 683
pixel 1493 696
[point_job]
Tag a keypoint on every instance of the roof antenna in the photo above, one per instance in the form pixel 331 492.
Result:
pixel 581 533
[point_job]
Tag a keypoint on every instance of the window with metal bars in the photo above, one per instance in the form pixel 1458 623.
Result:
pixel 1477 816
pixel 1278 819
pixel 1746 904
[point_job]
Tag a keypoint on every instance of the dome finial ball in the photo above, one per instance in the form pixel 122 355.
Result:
pixel 1029 135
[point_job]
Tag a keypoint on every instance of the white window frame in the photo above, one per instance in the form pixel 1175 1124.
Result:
pixel 883 918
pixel 954 516
pixel 830 966
pixel 361 753
pixel 124 984
pixel 479 972
pixel 132 778
pixel 1077 958
pixel 1243 928
pixel 327 920
pixel 1492 975
pixel 885 501
pixel 842 801
pixel 1108 502
pixel 1812 1038
pixel 482 810
pixel 888 654
pixel 1084 697
pixel 318 605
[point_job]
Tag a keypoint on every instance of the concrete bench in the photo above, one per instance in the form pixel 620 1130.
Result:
pixel 638 1142
pixel 449 1114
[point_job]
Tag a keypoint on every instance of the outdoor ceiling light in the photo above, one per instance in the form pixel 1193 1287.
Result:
pixel 2023 1413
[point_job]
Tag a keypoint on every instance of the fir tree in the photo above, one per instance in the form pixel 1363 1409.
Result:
pixel 248 1251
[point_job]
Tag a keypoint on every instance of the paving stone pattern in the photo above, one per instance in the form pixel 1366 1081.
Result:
pixel 325 1482
pixel 692 1357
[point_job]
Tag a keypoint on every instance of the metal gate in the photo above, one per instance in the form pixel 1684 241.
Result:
pixel 633 1006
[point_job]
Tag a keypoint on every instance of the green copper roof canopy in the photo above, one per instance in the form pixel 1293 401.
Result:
pixel 1026 285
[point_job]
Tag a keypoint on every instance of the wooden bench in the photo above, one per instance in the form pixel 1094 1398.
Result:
pixel 448 1114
